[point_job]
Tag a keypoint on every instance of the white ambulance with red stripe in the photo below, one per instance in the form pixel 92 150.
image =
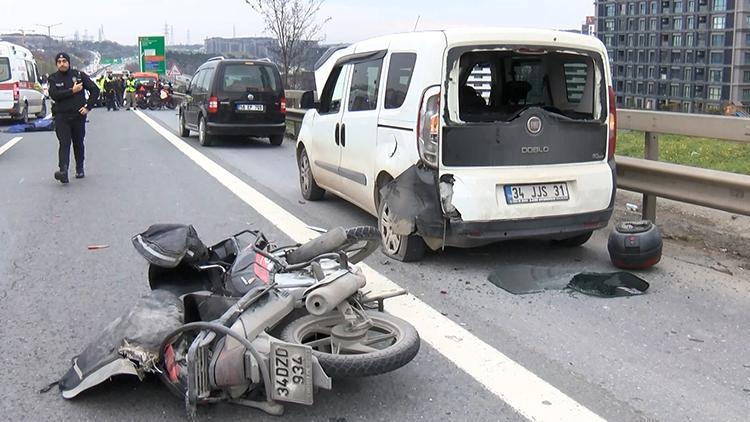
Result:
pixel 21 94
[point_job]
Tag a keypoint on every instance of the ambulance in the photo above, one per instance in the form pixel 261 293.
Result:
pixel 21 94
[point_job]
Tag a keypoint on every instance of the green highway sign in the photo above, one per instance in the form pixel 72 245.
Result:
pixel 152 53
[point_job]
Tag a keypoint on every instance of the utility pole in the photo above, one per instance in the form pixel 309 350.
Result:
pixel 49 31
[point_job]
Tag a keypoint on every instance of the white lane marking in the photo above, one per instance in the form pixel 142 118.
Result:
pixel 8 145
pixel 521 389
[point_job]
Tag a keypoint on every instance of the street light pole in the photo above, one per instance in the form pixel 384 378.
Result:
pixel 49 30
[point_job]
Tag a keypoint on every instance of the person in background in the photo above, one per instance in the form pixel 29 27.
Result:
pixel 110 93
pixel 119 91
pixel 67 88
pixel 130 92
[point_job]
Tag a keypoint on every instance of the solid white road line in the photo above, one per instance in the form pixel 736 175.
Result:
pixel 521 389
pixel 8 145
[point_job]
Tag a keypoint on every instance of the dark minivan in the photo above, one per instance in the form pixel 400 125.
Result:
pixel 234 97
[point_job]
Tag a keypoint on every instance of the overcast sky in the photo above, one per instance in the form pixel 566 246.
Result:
pixel 350 20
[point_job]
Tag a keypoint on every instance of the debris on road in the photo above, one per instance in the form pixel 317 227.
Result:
pixel 526 279
pixel 97 247
pixel 617 284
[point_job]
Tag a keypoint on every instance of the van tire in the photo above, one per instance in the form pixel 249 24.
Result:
pixel 575 241
pixel 42 114
pixel 182 130
pixel 307 184
pixel 276 140
pixel 25 113
pixel 402 248
pixel 204 138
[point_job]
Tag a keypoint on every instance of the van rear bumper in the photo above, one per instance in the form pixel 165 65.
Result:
pixel 471 234
pixel 237 129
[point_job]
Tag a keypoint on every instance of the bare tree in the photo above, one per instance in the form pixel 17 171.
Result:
pixel 292 23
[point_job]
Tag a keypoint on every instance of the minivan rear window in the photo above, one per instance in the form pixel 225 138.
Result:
pixel 244 77
pixel 4 69
pixel 498 85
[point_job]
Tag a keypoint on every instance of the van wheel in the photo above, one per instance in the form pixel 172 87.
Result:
pixel 403 248
pixel 25 113
pixel 310 189
pixel 276 140
pixel 42 114
pixel 204 138
pixel 574 241
pixel 182 129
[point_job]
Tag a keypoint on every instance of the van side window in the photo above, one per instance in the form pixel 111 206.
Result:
pixel 363 94
pixel 575 81
pixel 333 92
pixel 30 74
pixel 206 81
pixel 397 84
pixel 4 69
pixel 195 82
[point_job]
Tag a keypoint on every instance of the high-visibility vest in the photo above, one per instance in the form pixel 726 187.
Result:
pixel 100 84
pixel 130 85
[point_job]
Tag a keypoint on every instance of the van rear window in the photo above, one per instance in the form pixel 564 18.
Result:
pixel 498 85
pixel 4 69
pixel 243 78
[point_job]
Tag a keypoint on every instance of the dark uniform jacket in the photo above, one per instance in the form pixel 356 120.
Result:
pixel 61 92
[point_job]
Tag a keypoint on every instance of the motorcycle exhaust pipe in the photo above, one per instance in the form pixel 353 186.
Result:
pixel 325 299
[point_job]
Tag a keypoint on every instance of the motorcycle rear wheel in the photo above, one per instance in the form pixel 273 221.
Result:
pixel 388 345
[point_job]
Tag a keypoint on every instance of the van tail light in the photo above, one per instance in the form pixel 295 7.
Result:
pixel 283 105
pixel 16 92
pixel 428 126
pixel 612 146
pixel 213 104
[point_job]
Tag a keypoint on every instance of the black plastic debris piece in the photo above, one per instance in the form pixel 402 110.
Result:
pixel 616 284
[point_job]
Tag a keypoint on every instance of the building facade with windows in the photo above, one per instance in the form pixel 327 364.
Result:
pixel 678 55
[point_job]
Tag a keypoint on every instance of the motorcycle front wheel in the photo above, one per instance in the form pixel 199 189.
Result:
pixel 388 345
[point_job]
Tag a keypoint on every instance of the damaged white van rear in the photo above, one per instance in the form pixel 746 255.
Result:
pixel 466 137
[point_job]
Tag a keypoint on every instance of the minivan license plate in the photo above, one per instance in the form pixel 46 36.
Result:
pixel 525 194
pixel 291 373
pixel 250 107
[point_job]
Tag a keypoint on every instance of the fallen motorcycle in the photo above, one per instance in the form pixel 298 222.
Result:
pixel 248 322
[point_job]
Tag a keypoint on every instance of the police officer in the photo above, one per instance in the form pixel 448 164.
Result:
pixel 66 88
pixel 130 92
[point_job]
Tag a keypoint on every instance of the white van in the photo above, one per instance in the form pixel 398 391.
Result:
pixel 21 94
pixel 465 137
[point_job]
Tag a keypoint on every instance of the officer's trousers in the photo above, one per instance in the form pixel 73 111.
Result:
pixel 70 129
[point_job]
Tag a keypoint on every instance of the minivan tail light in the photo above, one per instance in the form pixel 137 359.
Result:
pixel 612 146
pixel 213 104
pixel 428 126
pixel 16 92
pixel 283 105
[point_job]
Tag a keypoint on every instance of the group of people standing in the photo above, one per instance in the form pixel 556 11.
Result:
pixel 117 92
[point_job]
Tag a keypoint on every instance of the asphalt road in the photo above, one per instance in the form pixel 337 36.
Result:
pixel 678 353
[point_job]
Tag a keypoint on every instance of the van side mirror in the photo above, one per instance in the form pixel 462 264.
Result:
pixel 308 100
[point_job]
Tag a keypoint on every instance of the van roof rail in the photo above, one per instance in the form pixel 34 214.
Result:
pixel 215 58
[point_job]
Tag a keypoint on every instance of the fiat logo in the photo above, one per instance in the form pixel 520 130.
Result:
pixel 250 97
pixel 534 125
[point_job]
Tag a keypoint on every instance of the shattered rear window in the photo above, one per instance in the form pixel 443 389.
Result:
pixel 497 85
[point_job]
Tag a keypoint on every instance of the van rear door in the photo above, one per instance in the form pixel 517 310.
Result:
pixel 525 131
pixel 6 87
pixel 250 93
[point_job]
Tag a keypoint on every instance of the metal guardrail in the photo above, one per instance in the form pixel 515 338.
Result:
pixel 709 188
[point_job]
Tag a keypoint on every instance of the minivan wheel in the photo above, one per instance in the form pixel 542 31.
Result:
pixel 182 130
pixel 310 189
pixel 403 248
pixel 204 138
pixel 42 114
pixel 25 113
pixel 276 140
pixel 574 241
